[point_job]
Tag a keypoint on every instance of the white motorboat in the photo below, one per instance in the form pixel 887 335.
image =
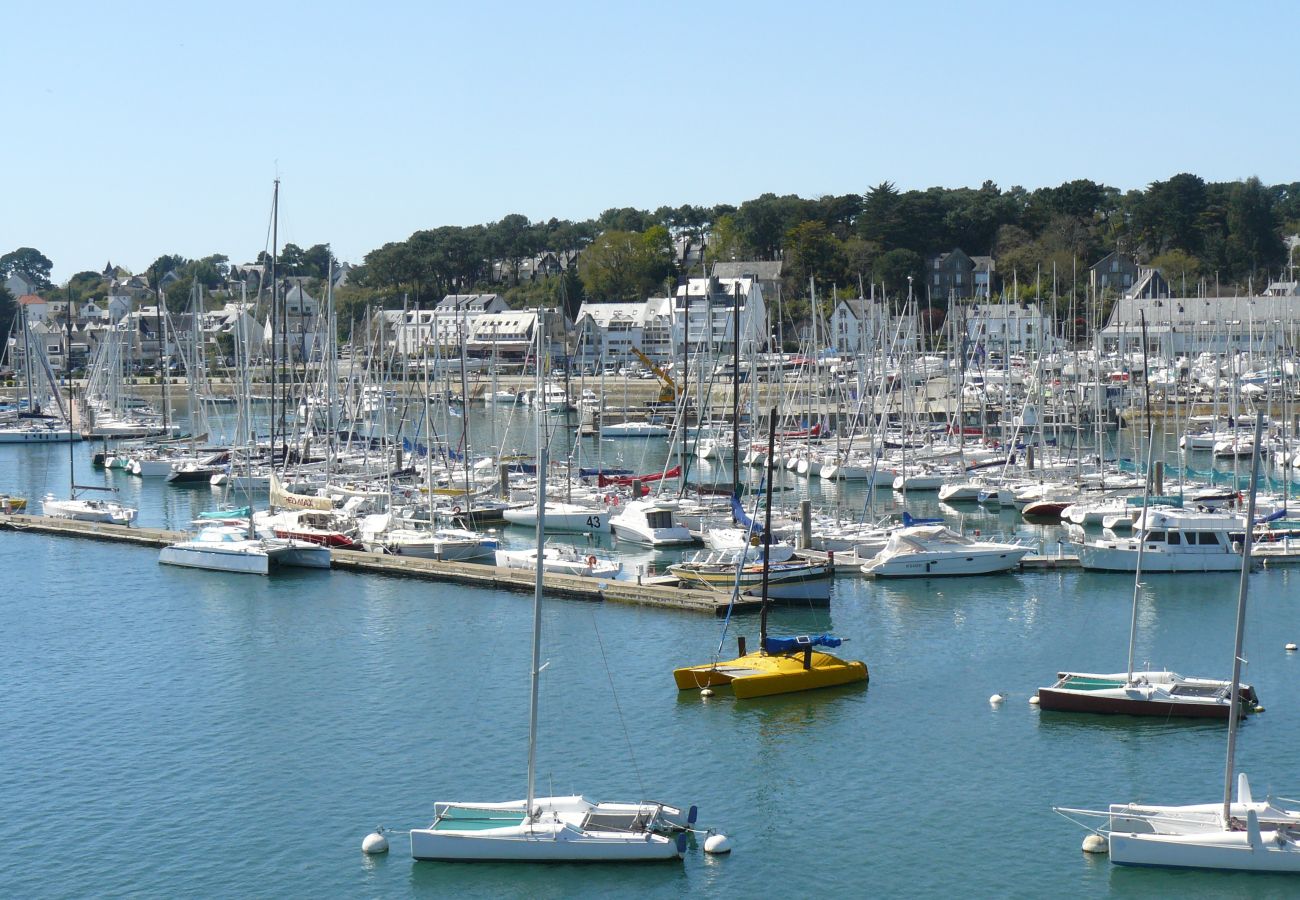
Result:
pixel 1175 541
pixel 573 518
pixel 934 550
pixel 561 560
pixel 88 510
pixel 649 522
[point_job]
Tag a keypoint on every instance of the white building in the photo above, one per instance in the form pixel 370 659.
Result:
pixel 1014 327
pixel 862 325
pixel 607 332
pixel 1191 325
pixel 510 336
pixel 445 327
pixel 703 316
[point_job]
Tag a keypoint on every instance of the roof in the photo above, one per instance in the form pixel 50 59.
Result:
pixel 30 299
pixel 763 270
pixel 468 302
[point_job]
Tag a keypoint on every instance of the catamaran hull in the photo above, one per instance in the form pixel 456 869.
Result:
pixel 540 847
pixel 1227 850
pixel 1088 702
pixel 215 560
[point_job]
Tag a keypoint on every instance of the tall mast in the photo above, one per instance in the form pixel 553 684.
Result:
pixel 542 448
pixel 275 289
pixel 735 390
pixel 767 531
pixel 1234 697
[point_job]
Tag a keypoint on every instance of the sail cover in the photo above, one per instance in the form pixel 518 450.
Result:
pixel 742 519
pixel 281 497
pixel 802 642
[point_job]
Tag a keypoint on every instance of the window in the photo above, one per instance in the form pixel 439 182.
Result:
pixel 936 263
pixel 1209 537
pixel 936 277
pixel 1175 537
pixel 1114 265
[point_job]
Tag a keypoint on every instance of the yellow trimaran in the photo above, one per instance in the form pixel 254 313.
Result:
pixel 780 665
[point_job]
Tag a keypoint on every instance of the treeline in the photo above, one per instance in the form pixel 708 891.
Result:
pixel 1229 232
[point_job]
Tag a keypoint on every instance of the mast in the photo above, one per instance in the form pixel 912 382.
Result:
pixel 1146 500
pixel 275 290
pixel 1234 697
pixel 767 532
pixel 735 392
pixel 539 414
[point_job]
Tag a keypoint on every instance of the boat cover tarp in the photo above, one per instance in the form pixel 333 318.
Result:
pixel 909 520
pixel 592 473
pixel 803 641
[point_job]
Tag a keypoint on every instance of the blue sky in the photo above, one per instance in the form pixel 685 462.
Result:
pixel 135 129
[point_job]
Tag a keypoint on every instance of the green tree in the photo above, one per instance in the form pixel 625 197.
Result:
pixel 29 262
pixel 812 251
pixel 1254 234
pixel 893 269
pixel 625 265
pixel 1178 267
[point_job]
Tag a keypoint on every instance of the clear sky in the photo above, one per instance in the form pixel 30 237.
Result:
pixel 136 129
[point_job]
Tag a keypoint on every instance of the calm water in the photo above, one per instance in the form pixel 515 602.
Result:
pixel 167 732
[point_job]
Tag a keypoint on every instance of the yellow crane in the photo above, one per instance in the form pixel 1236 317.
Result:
pixel 668 394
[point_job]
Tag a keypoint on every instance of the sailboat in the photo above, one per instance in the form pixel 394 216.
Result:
pixel 1245 835
pixel 780 665
pixel 1144 693
pixel 79 508
pixel 549 829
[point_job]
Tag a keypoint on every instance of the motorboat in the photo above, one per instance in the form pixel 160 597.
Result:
pixel 934 550
pixel 1172 540
pixel 649 522
pixel 575 518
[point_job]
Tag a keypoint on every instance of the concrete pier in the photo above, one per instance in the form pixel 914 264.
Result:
pixel 658 594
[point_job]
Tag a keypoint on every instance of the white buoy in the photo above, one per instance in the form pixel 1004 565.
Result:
pixel 706 692
pixel 996 700
pixel 1291 648
pixel 1095 843
pixel 1033 701
pixel 375 842
pixel 717 844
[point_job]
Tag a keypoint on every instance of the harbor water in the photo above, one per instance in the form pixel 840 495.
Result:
pixel 169 732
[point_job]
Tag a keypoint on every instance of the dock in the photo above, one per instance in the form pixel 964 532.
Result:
pixel 656 592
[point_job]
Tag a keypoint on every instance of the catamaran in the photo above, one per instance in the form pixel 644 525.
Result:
pixel 780 665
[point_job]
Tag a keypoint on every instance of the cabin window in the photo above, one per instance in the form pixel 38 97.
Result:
pixel 1209 537
pixel 660 518
pixel 1155 537
pixel 1175 537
